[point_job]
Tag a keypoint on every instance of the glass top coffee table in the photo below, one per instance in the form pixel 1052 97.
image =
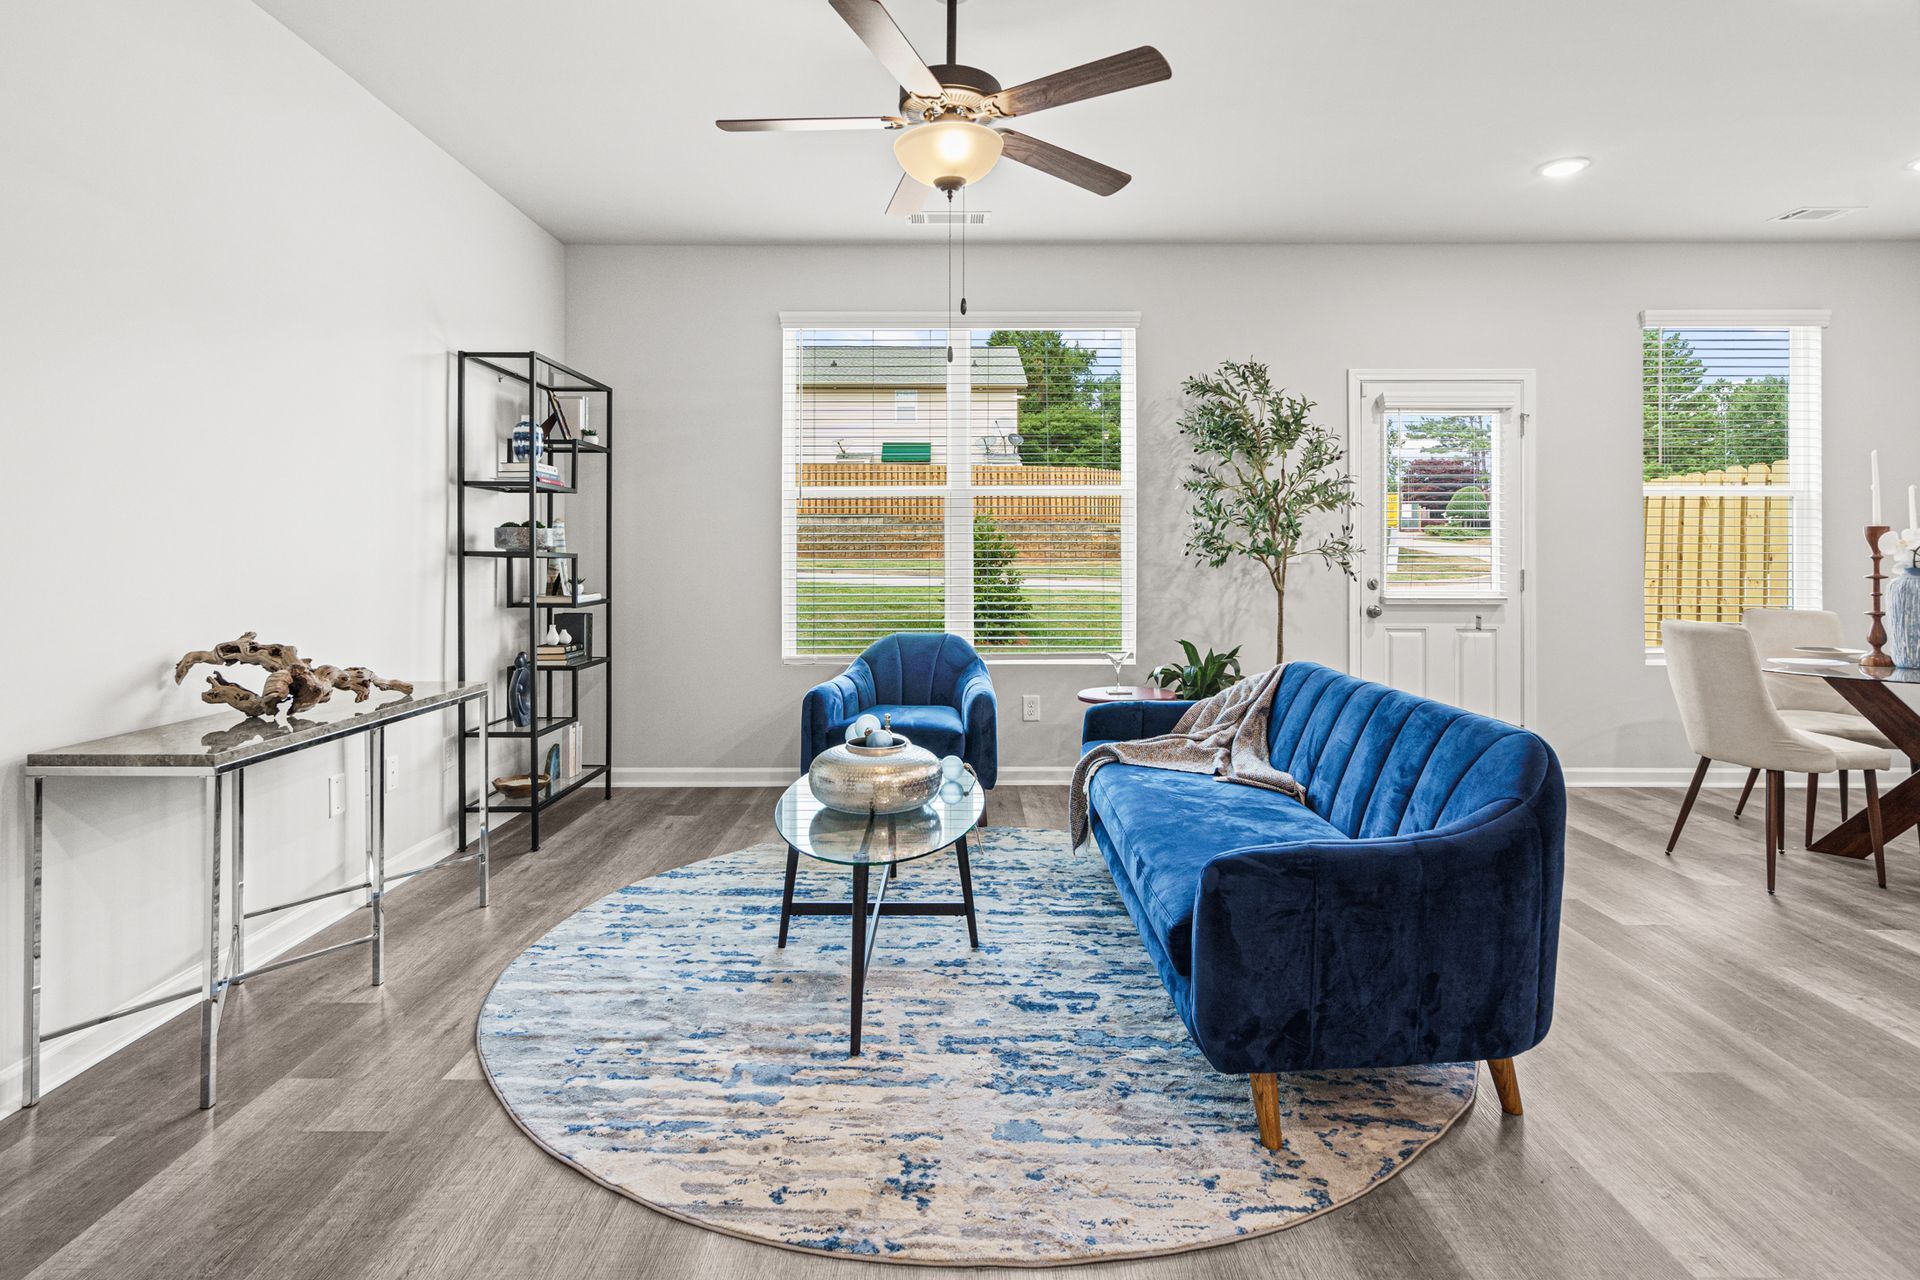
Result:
pixel 870 843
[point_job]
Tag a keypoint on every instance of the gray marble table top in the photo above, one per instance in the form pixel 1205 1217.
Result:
pixel 228 740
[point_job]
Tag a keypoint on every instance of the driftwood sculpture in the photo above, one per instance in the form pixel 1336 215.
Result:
pixel 289 678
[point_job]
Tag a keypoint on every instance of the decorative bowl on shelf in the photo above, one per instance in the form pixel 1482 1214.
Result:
pixel 517 787
pixel 888 778
pixel 513 537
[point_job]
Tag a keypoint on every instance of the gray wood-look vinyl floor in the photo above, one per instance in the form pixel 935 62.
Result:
pixel 1731 1089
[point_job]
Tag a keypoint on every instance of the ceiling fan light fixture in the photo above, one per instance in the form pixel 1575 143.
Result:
pixel 948 154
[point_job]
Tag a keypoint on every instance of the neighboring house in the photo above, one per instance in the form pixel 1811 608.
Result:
pixel 889 404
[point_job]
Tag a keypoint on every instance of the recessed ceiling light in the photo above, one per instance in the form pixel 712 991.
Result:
pixel 1563 168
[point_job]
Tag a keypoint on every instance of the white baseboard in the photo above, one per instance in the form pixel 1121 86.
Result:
pixel 774 776
pixel 63 1059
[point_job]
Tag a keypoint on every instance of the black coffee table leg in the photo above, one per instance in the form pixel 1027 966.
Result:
pixel 786 895
pixel 966 892
pixel 859 916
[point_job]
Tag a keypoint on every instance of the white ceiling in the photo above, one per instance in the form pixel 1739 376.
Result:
pixel 1301 121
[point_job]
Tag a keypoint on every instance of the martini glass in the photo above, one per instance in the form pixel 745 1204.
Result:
pixel 1119 658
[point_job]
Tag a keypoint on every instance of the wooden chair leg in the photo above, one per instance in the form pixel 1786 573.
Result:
pixel 1780 818
pixel 1753 776
pixel 1266 1108
pixel 1843 795
pixel 1813 804
pixel 1505 1083
pixel 1876 832
pixel 1773 817
pixel 1686 806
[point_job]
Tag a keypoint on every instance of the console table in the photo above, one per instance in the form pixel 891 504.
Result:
pixel 219 749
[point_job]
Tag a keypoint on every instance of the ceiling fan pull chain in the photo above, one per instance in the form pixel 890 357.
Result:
pixel 949 277
pixel 963 251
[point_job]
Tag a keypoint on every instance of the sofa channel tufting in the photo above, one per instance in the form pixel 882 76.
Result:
pixel 1407 913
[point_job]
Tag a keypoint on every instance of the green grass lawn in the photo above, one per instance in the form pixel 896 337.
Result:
pixel 844 617
pixel 1417 565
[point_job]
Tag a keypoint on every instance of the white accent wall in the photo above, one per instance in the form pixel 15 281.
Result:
pixel 229 282
pixel 690 336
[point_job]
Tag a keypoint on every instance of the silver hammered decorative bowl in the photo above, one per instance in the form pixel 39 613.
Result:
pixel 861 779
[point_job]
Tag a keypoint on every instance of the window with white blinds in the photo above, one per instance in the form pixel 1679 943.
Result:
pixel 1001 508
pixel 1730 452
pixel 1445 528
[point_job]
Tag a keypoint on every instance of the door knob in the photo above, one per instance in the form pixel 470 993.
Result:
pixel 1374 611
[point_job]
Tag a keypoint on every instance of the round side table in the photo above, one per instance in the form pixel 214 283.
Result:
pixel 1128 693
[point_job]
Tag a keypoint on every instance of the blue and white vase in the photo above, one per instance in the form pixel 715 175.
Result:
pixel 1903 614
pixel 529 442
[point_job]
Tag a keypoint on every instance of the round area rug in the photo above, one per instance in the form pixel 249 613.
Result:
pixel 1033 1102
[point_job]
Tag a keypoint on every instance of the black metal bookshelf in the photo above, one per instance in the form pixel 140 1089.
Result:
pixel 517 589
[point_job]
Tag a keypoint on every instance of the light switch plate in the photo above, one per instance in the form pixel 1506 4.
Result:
pixel 393 773
pixel 1029 706
pixel 336 795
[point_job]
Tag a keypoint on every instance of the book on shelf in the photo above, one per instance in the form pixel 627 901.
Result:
pixel 585 597
pixel 517 471
pixel 570 742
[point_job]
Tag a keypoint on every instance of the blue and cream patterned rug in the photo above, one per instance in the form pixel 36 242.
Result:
pixel 1033 1102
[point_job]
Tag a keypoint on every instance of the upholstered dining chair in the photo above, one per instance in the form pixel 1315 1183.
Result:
pixel 933 687
pixel 1805 703
pixel 1728 715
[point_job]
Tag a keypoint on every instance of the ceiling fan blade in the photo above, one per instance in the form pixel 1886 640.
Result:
pixel 804 124
pixel 908 197
pixel 875 27
pixel 1126 70
pixel 1062 163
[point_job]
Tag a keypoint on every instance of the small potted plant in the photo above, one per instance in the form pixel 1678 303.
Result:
pixel 1199 677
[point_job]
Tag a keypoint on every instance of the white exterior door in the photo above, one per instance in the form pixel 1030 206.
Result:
pixel 1442 464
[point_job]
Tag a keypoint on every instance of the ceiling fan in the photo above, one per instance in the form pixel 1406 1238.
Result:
pixel 947 112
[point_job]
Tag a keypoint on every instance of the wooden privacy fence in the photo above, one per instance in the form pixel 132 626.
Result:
pixel 815 475
pixel 907 525
pixel 1711 555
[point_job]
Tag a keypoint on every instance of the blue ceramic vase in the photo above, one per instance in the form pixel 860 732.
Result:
pixel 520 691
pixel 1903 615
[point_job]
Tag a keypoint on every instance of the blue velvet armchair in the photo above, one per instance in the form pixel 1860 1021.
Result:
pixel 933 686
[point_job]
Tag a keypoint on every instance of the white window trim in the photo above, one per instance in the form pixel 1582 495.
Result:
pixel 1805 376
pixel 958 493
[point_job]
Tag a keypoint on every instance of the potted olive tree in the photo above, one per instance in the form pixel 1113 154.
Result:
pixel 1263 472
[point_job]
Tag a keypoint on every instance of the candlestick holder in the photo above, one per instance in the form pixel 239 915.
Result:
pixel 1877 631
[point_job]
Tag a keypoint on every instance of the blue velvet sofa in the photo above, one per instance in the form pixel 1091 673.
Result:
pixel 933 685
pixel 1408 912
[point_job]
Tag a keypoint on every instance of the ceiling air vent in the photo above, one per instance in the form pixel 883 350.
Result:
pixel 944 217
pixel 1818 213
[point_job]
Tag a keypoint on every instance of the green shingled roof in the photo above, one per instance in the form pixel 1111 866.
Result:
pixel 905 367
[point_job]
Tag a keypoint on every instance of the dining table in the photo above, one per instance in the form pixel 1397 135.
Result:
pixel 1872 692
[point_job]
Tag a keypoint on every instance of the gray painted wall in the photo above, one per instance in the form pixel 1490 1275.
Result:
pixel 689 336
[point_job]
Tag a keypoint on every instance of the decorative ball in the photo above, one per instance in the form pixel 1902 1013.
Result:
pixel 879 738
pixel 861 727
pixel 950 792
pixel 951 768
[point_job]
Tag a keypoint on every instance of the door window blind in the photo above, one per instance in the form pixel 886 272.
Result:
pixel 1730 456
pixel 1445 532
pixel 1003 510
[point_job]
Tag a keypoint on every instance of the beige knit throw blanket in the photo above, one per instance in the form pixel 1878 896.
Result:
pixel 1225 735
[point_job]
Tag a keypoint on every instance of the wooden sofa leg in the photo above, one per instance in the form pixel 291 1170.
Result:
pixel 1266 1108
pixel 1506 1084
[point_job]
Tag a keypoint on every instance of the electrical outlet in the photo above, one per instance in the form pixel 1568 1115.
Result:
pixel 1029 706
pixel 446 754
pixel 393 773
pixel 336 795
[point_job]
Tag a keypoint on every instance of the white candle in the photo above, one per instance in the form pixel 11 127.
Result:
pixel 1875 457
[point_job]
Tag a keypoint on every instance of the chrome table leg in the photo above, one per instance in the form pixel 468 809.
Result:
pixel 214 983
pixel 30 1069
pixel 239 875
pixel 376 847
